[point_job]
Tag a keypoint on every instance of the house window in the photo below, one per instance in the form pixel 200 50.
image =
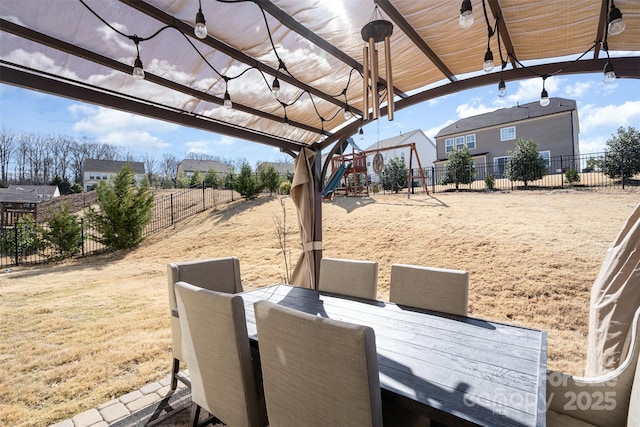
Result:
pixel 471 141
pixel 92 177
pixel 546 157
pixel 499 166
pixel 508 133
pixel 104 176
pixel 459 142
pixel 448 145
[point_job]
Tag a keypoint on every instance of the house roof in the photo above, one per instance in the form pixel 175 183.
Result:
pixel 190 165
pixel 508 115
pixel 45 190
pixel 281 167
pixel 8 195
pixel 110 166
pixel 318 56
pixel 394 141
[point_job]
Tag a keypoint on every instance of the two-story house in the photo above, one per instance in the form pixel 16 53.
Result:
pixel 94 171
pixel 490 136
pixel 400 147
pixel 187 167
pixel 282 168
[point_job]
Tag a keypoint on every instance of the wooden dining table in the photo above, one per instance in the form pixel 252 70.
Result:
pixel 453 369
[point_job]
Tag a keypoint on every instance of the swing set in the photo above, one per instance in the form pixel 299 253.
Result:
pixel 350 170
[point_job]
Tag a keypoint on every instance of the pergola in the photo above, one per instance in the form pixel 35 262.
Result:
pixel 294 72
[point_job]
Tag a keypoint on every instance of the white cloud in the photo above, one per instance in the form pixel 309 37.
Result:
pixel 608 116
pixel 473 108
pixel 119 128
pixel 38 61
pixel 432 132
pixel 529 90
pixel 594 144
pixel 578 90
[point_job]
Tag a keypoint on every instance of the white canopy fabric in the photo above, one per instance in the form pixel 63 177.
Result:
pixel 85 49
pixel 615 297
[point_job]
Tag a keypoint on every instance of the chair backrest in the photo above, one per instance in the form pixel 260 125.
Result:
pixel 317 372
pixel 430 288
pixel 215 346
pixel 216 274
pixel 349 277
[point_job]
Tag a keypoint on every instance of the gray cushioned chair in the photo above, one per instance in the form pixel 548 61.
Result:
pixel 349 277
pixel 215 346
pixel 216 274
pixel 430 288
pixel 317 372
pixel 611 400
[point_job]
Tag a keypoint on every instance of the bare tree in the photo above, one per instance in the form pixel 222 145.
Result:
pixel 169 167
pixel 62 151
pixel 150 165
pixel 7 146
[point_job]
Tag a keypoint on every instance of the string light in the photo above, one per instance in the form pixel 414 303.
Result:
pixel 200 30
pixel 502 88
pixel 544 96
pixel 488 66
pixel 138 69
pixel 466 14
pixel 616 23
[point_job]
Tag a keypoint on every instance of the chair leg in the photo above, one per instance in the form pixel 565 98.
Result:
pixel 195 415
pixel 174 374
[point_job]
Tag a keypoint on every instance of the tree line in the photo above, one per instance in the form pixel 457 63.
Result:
pixel 30 158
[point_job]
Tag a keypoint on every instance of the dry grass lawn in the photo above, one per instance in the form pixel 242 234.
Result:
pixel 77 334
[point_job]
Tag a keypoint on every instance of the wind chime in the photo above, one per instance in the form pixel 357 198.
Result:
pixel 374 32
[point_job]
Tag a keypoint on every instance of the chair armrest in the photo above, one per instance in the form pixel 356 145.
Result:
pixel 602 401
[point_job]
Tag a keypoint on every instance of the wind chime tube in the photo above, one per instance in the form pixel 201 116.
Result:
pixel 365 80
pixel 387 64
pixel 375 99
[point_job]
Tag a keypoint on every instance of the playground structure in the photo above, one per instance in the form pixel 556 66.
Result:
pixel 349 169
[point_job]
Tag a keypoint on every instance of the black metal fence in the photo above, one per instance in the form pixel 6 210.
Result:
pixel 23 243
pixel 585 171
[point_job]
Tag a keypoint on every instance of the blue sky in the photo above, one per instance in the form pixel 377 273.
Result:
pixel 602 108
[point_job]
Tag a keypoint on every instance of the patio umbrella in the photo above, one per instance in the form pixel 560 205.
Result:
pixel 615 296
pixel 302 193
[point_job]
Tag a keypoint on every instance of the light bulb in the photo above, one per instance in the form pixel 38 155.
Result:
pixel 616 24
pixel 544 98
pixel 200 30
pixel 275 87
pixel 488 61
pixel 227 101
pixel 466 14
pixel 347 113
pixel 138 70
pixel 609 73
pixel 285 125
pixel 502 88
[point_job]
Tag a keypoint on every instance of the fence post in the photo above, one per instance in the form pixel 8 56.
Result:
pixel 204 205
pixel 82 234
pixel 433 179
pixel 171 199
pixel 15 240
pixel 561 173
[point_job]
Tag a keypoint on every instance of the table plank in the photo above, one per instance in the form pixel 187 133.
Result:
pixel 482 373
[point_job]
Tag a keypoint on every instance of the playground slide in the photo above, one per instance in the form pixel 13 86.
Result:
pixel 335 179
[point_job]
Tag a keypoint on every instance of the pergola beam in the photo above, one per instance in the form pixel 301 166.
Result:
pixel 93 95
pixel 413 35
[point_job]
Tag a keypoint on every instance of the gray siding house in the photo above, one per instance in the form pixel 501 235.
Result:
pixel 491 135
pixel 187 167
pixel 94 171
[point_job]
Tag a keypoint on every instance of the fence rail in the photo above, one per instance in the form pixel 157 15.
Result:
pixel 587 170
pixel 25 245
